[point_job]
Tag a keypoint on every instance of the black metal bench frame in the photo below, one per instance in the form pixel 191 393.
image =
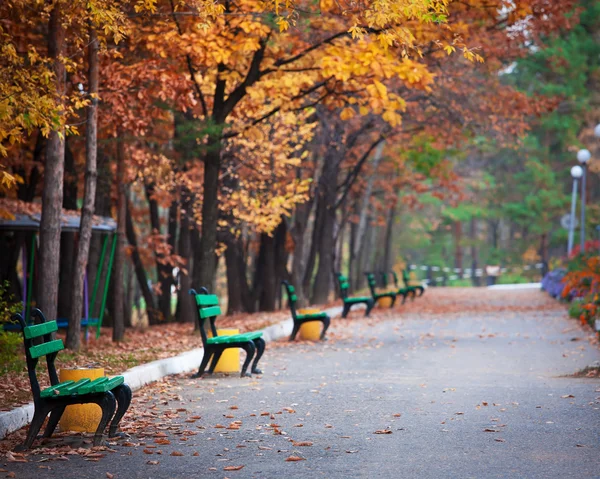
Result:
pixel 117 399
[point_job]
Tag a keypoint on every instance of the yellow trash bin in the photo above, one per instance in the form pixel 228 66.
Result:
pixel 384 302
pixel 311 330
pixel 230 359
pixel 80 417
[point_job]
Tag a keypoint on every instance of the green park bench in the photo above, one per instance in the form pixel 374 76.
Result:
pixel 399 291
pixel 377 296
pixel 109 393
pixel 412 290
pixel 207 306
pixel 351 301
pixel 300 319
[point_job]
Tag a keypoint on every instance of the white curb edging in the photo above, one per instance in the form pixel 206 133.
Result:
pixel 143 374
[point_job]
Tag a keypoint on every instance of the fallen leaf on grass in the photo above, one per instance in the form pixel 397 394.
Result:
pixel 383 431
pixel 233 468
pixel 302 443
pixel 294 459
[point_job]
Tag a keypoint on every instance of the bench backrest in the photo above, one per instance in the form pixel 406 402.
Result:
pixel 384 279
pixel 372 282
pixel 405 277
pixel 344 285
pixel 207 307
pixel 395 276
pixel 39 341
pixel 292 298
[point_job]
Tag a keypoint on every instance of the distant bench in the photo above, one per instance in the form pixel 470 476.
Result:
pixel 207 306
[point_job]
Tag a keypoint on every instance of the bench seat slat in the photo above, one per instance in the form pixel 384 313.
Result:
pixel 107 385
pixel 55 390
pixel 93 384
pixel 210 312
pixel 312 316
pixel 357 299
pixel 38 330
pixel 207 300
pixel 235 338
pixel 46 348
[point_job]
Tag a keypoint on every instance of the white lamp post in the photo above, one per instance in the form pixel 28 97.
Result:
pixel 583 156
pixel 576 173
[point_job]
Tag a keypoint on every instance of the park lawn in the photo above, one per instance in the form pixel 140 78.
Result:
pixel 140 346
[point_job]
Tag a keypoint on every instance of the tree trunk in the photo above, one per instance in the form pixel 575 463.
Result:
pixel 326 240
pixel 140 272
pixel 165 275
pixel 474 252
pixel 89 195
pixel 458 252
pixel 185 312
pixel 119 261
pixel 363 217
pixel 298 232
pixel 53 180
pixel 387 262
pixel 207 264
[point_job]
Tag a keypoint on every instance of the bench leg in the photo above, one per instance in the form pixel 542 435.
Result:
pixel 346 310
pixel 55 416
pixel 108 404
pixel 39 416
pixel 123 396
pixel 421 290
pixel 370 306
pixel 295 331
pixel 250 349
pixel 325 322
pixel 404 296
pixel 215 359
pixel 203 364
pixel 259 343
pixel 393 301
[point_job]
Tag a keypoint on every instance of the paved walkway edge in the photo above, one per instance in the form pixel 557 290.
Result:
pixel 143 374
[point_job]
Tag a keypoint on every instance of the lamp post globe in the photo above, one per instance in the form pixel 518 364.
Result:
pixel 576 172
pixel 583 156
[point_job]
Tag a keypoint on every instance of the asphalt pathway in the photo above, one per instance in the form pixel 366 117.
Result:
pixel 459 395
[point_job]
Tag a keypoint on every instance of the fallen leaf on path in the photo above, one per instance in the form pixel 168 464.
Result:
pixel 567 396
pixel 294 459
pixel 177 453
pixel 161 441
pixel 233 468
pixel 580 445
pixel 109 475
pixel 11 474
pixel 383 431
pixel 351 452
pixel 397 414
pixel 152 463
pixel 15 457
pixel 499 440
pixel 490 430
pixel 302 443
